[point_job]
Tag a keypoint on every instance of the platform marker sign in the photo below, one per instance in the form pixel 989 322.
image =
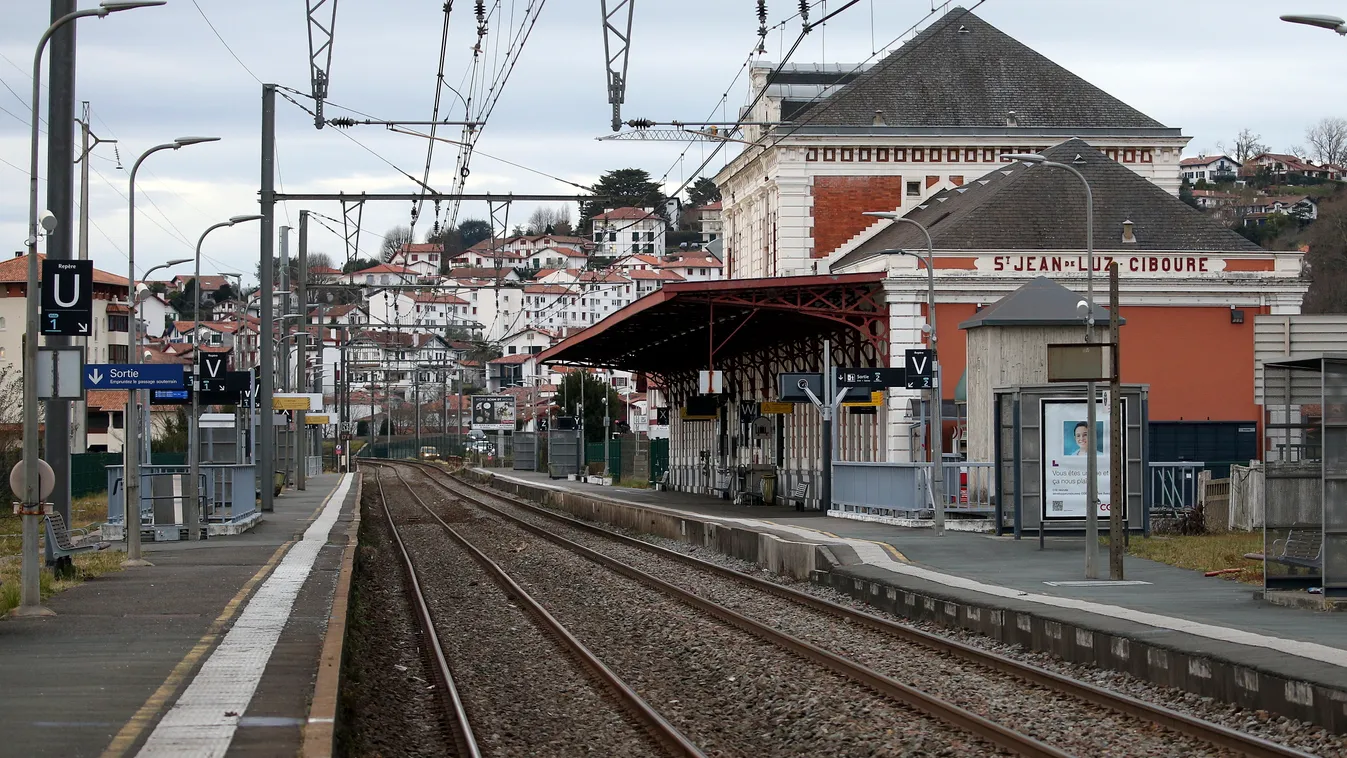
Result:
pixel 67 298
pixel 919 367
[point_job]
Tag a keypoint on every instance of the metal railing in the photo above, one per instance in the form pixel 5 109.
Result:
pixel 1173 485
pixel 969 487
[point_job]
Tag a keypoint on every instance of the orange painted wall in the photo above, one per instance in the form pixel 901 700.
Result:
pixel 1199 365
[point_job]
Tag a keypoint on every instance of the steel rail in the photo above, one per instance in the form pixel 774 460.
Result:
pixel 1020 744
pixel 666 733
pixel 1215 734
pixel 458 715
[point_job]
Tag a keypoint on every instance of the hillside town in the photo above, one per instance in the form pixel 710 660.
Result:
pixel 968 380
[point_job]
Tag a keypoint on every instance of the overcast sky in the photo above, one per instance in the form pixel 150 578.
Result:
pixel 1209 67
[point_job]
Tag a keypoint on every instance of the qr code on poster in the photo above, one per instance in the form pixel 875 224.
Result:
pixel 1058 505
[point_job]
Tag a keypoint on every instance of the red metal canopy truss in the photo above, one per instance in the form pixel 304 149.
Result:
pixel 750 329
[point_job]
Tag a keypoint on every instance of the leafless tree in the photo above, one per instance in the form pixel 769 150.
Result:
pixel 1246 145
pixel 394 239
pixel 544 217
pixel 1328 140
pixel 11 407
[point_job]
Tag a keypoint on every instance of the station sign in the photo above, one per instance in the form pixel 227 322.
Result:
pixel 67 298
pixel 138 376
pixel 871 378
pixel 919 369
pixel 789 389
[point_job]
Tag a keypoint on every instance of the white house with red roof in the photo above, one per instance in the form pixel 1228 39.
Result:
pixel 383 274
pixel 1211 168
pixel 629 231
pixel 422 257
pixel 693 266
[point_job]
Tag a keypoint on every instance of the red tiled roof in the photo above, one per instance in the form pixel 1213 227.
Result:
pixel 224 327
pixel 626 214
pixel 16 270
pixel 439 298
pixel 1203 160
pixel 547 289
pixel 667 276
pixel 510 360
pixel 422 247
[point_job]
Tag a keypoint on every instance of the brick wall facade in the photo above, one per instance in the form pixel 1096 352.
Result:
pixel 839 202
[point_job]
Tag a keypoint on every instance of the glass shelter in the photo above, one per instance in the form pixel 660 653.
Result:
pixel 1305 485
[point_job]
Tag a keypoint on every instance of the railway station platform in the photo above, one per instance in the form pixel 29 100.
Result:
pixel 221 647
pixel 1168 625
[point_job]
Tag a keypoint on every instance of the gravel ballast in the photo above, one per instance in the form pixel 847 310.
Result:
pixel 387 707
pixel 729 692
pixel 1063 721
pixel 524 694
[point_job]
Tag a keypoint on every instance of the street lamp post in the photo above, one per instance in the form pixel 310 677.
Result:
pixel 937 448
pixel 1091 414
pixel 131 430
pixel 130 450
pixel 192 512
pixel 30 600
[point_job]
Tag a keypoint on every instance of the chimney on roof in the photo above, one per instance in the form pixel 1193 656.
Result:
pixel 879 119
pixel 1011 120
pixel 18 253
pixel 1128 237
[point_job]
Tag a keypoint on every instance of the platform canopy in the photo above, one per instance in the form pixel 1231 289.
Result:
pixel 690 326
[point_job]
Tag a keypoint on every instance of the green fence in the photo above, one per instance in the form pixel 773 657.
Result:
pixel 594 454
pixel 89 472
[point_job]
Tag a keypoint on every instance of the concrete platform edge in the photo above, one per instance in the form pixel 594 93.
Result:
pixel 1180 661
pixel 1172 659
pixel 321 728
pixel 793 558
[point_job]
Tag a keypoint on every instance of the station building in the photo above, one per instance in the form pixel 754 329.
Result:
pixel 922 134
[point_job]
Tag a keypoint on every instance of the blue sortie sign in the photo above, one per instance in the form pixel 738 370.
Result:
pixel 125 376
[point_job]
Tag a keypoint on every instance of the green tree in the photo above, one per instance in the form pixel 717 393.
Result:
pixel 702 192
pixel 581 384
pixel 225 292
pixel 623 188
pixel 473 230
pixel 358 264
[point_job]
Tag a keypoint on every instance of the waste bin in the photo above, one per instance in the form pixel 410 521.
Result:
pixel 769 488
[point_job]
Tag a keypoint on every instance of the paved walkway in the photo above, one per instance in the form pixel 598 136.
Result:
pixel 1211 613
pixel 212 650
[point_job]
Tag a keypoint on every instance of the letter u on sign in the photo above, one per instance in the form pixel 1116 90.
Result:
pixel 74 288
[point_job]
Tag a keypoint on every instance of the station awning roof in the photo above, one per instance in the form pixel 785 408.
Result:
pixel 686 326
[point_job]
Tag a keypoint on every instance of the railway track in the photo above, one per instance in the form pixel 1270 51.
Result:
pixel 664 738
pixel 849 652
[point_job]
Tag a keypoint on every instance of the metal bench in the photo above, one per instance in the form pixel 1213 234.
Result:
pixel 798 495
pixel 1302 547
pixel 58 537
